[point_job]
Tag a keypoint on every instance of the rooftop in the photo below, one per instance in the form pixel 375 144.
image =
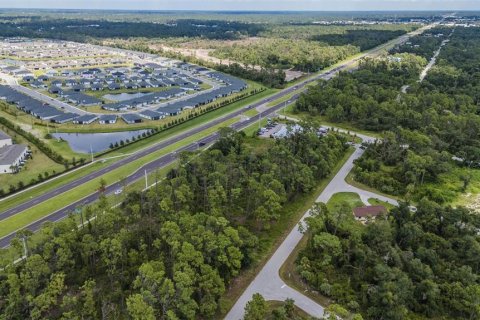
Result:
pixel 369 211
pixel 9 154
pixel 4 136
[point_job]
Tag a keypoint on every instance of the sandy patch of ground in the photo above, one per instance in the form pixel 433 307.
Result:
pixel 472 201
pixel 26 127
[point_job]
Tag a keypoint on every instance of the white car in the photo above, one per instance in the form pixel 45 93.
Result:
pixel 118 191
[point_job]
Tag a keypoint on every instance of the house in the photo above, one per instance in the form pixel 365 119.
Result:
pixel 81 99
pixel 5 139
pixel 131 118
pixel 55 90
pixel 131 85
pixel 38 84
pixel 78 88
pixel 113 86
pixel 12 157
pixel 97 87
pixel 43 78
pixel 85 119
pixel 107 119
pixel 28 78
pixel 70 82
pixel 51 73
pixel 118 75
pixel 143 84
pixel 64 118
pixel 171 109
pixel 151 115
pixel 366 212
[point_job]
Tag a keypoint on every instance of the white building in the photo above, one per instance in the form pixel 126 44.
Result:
pixel 12 157
pixel 5 139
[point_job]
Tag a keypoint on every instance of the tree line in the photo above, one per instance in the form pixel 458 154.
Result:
pixel 81 30
pixel 363 39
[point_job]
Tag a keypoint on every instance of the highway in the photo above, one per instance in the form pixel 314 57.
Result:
pixel 170 157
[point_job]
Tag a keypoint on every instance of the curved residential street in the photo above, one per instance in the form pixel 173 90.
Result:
pixel 268 282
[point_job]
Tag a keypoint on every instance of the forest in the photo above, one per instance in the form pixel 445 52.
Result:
pixel 422 128
pixel 170 253
pixel 80 30
pixel 363 39
pixel 401 266
pixel 300 55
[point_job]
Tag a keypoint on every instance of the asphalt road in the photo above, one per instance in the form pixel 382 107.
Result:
pixel 268 282
pixel 168 158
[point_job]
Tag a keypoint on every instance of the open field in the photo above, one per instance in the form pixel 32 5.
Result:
pixel 39 164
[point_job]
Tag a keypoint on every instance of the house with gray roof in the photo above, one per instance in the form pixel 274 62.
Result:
pixel 12 157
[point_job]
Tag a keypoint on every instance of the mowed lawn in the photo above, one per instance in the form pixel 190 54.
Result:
pixel 351 199
pixel 28 216
pixel 37 165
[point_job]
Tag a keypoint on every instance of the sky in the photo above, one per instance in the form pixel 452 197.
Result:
pixel 257 5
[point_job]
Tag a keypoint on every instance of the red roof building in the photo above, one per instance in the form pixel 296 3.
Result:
pixel 368 211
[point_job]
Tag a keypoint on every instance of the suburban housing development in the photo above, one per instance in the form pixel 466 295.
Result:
pixel 132 84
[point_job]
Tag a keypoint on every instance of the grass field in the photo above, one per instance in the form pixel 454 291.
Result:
pixel 376 202
pixel 272 305
pixel 344 198
pixel 38 164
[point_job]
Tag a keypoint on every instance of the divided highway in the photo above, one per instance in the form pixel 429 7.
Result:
pixel 170 157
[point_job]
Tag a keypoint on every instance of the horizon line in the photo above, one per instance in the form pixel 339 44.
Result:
pixel 240 10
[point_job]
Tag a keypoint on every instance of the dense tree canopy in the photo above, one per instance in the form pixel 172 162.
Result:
pixel 80 30
pixel 364 39
pixel 301 55
pixel 427 263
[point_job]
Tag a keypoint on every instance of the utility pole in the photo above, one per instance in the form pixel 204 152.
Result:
pixel 146 179
pixel 91 152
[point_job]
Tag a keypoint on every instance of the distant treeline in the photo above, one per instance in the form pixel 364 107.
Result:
pixel 79 30
pixel 364 39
